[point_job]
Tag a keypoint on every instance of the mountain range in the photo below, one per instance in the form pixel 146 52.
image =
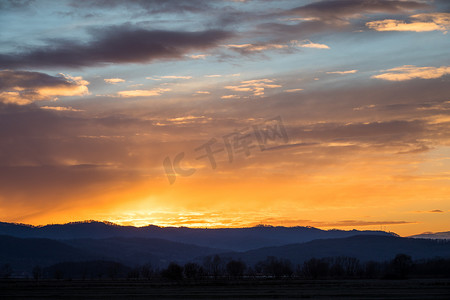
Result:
pixel 235 239
pixel 362 247
pixel 430 235
pixel 25 246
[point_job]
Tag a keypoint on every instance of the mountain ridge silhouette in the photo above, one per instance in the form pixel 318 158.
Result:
pixel 235 239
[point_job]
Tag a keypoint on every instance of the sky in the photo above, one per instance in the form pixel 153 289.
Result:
pixel 331 114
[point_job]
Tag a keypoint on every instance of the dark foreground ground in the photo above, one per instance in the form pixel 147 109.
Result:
pixel 266 289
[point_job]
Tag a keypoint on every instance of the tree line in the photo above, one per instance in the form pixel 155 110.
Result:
pixel 216 267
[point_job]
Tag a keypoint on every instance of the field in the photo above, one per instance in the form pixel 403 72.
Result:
pixel 262 289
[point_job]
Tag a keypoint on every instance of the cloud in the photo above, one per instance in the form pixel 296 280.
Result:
pixel 213 76
pixel 175 77
pixel 259 47
pixel 198 56
pixel 430 211
pixel 202 93
pixel 256 87
pixel 420 23
pixel 309 44
pixel 365 223
pixel 373 133
pixel 189 119
pixel 150 6
pixel 337 10
pixel 135 85
pixel 438 107
pixel 319 116
pixel 343 72
pixel 60 108
pixel 158 78
pixel 408 72
pixel 115 44
pixel 15 4
pixel 331 16
pixel 439 118
pixel 396 25
pixel 345 223
pixel 230 97
pixel 23 87
pixel 369 106
pixel 220 75
pixel 141 93
pixel 293 90
pixel 114 80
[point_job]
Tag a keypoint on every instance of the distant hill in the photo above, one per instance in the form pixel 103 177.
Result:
pixel 23 254
pixel 430 235
pixel 134 251
pixel 363 247
pixel 236 239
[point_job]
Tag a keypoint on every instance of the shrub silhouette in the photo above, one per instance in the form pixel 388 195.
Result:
pixel 401 266
pixel 146 271
pixel 37 272
pixel 315 268
pixel 275 267
pixel 173 272
pixel 213 265
pixel 193 271
pixel 236 268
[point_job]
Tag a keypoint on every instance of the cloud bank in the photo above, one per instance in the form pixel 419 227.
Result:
pixel 115 44
pixel 24 87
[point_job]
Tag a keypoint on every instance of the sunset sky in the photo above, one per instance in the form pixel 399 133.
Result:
pixel 332 114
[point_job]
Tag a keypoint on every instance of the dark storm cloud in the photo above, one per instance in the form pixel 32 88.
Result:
pixel 348 8
pixel 115 44
pixel 154 6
